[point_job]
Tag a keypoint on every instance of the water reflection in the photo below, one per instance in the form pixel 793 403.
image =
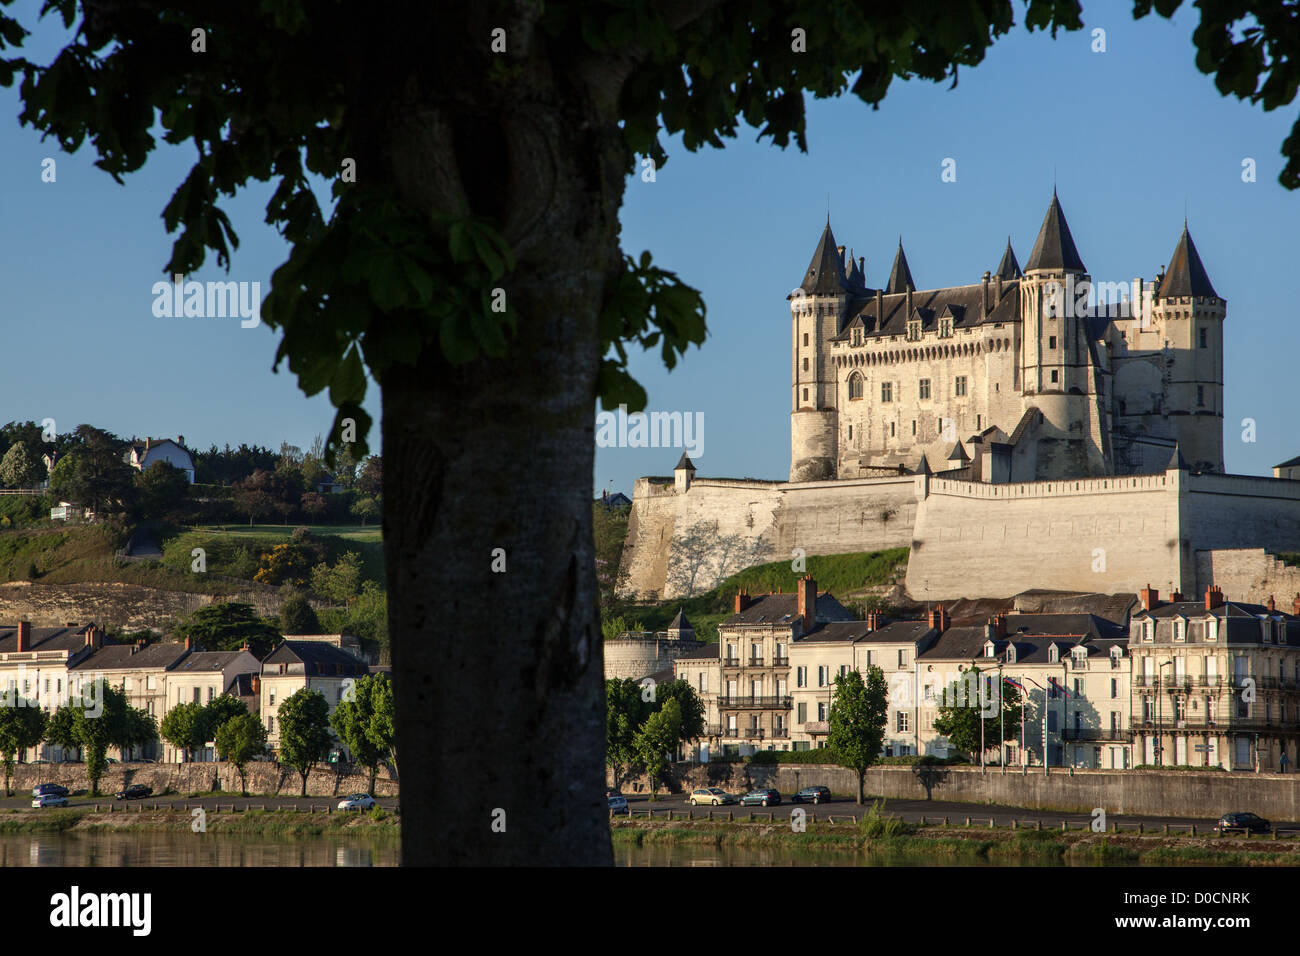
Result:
pixel 185 848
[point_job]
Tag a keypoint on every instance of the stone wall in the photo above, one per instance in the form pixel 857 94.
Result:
pixel 1171 793
pixel 1248 574
pixel 264 777
pixel 825 517
pixel 111 604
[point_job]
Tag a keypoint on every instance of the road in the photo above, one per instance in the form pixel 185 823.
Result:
pixel 175 802
pixel 935 810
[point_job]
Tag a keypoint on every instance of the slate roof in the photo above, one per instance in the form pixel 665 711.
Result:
pixel 957 643
pixel 711 652
pixel 825 275
pixel 314 654
pixel 684 462
pixel 1186 275
pixel 898 632
pixel 681 622
pixel 207 661
pixel 242 685
pixel 1087 625
pixel 963 303
pixel 1009 268
pixel 1110 607
pixel 1177 462
pixel 1054 248
pixel 119 657
pixel 44 639
pixel 1290 463
pixel 900 276
pixel 782 608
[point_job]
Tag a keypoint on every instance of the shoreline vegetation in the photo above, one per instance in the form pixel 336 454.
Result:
pixel 876 836
pixel 283 822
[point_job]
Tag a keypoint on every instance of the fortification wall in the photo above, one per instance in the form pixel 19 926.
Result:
pixel 1241 511
pixel 771 519
pixel 113 604
pixel 1248 574
pixel 1087 534
pixel 635 658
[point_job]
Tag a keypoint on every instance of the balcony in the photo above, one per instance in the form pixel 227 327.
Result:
pixel 750 733
pixel 817 727
pixel 780 733
pixel 780 661
pixel 756 662
pixel 1095 733
pixel 755 703
pixel 713 730
pixel 731 662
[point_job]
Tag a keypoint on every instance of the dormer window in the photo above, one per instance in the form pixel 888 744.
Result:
pixel 945 328
pixel 914 330
pixel 1148 631
pixel 1212 629
pixel 1180 630
pixel 1080 656
pixel 1054 654
pixel 989 650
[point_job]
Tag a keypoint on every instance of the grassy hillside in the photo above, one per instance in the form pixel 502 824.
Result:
pixel 838 573
pixel 238 553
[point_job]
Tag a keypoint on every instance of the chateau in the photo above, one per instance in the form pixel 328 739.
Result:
pixel 1013 378
pixel 1031 430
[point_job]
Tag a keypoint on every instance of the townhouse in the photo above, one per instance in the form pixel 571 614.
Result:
pixel 140 670
pixel 1215 682
pixel 201 676
pixel 293 665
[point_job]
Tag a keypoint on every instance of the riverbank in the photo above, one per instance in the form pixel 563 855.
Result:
pixel 377 822
pixel 957 844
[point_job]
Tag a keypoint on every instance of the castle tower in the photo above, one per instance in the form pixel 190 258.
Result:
pixel 1190 314
pixel 1057 373
pixel 816 307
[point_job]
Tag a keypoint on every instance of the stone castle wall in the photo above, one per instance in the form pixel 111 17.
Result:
pixel 772 518
pixel 264 777
pixel 1248 574
pixel 111 604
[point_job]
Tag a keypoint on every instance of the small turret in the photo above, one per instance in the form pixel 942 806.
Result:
pixel 683 474
pixel 1054 249
pixel 900 277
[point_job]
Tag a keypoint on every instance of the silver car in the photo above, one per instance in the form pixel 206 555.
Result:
pixel 357 801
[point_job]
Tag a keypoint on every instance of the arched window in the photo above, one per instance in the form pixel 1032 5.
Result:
pixel 855 385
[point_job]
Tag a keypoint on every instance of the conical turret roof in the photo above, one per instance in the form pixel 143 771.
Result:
pixel 825 275
pixel 1054 248
pixel 900 277
pixel 684 462
pixel 1008 268
pixel 1186 275
pixel 1177 462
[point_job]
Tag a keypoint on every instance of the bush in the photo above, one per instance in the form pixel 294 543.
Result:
pixel 1181 766
pixel 819 755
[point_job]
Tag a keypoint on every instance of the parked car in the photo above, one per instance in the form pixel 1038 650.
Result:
pixel 136 791
pixel 763 796
pixel 54 788
pixel 812 795
pixel 1242 823
pixel 618 803
pixel 713 796
pixel 357 801
pixel 49 800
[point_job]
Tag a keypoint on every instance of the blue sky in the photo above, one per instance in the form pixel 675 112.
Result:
pixel 1134 136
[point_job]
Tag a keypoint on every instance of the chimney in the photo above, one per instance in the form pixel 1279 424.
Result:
pixel 997 288
pixel 862 267
pixel 1213 597
pixel 24 635
pixel 189 642
pixel 939 619
pixel 807 602
pixel 874 620
pixel 984 296
pixel 1176 597
pixel 742 601
pixel 997 627
pixel 94 637
pixel 1295 605
pixel 840 251
pixel 1150 598
pixel 1272 606
pixel 256 683
pixel 880 308
pixel 909 303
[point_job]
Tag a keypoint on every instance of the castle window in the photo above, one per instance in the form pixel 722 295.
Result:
pixel 977 423
pixel 1200 395
pixel 914 331
pixel 855 386
pixel 959 386
pixel 913 426
pixel 891 429
pixel 805 364
pixel 1051 341
pixel 886 391
pixel 1054 375
pixel 945 328
pixel 805 394
pixel 850 433
pixel 1204 341
pixel 805 338
pixel 925 388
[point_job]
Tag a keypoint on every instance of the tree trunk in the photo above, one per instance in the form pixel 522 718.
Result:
pixel 304 775
pixel 862 776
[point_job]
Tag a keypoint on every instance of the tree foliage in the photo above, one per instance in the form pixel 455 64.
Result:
pixel 973 700
pixel 22 725
pixel 859 711
pixel 238 741
pixel 19 468
pixel 226 627
pixel 304 731
pixel 364 721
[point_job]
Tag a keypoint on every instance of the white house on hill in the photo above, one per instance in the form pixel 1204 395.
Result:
pixel 142 454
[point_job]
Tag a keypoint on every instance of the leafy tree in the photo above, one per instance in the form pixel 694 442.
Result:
pixel 61 730
pixel 625 712
pixel 216 712
pixel 657 737
pixel 22 725
pixel 139 729
pixel 107 722
pixel 228 466
pixel 485 291
pixel 304 731
pixel 254 495
pixel 972 700
pixel 859 710
pixel 161 487
pixel 689 706
pixel 370 476
pixel 286 563
pixel 609 531
pixel 341 582
pixel 239 740
pixel 297 616
pixel 94 472
pixel 226 627
pixel 19 468
pixel 183 727
pixel 364 721
pixel 367 509
pixel 312 504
